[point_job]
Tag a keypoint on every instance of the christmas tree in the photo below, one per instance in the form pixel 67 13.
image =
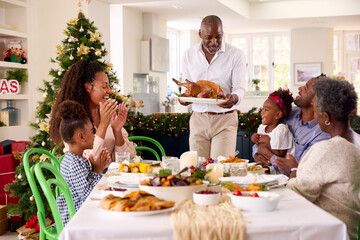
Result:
pixel 81 41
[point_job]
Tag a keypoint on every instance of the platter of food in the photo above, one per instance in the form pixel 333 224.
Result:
pixel 202 100
pixel 143 213
pixel 138 203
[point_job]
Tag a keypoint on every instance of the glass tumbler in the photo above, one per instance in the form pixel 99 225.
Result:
pixel 238 169
pixel 169 162
pixel 120 157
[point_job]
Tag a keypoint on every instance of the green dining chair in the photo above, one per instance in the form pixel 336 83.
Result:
pixel 151 140
pixel 54 153
pixel 29 172
pixel 46 186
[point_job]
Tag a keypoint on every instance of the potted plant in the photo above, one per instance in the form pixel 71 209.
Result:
pixel 257 88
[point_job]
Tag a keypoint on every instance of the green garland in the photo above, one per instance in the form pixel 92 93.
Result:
pixel 173 124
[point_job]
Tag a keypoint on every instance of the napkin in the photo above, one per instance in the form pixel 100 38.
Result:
pixel 222 221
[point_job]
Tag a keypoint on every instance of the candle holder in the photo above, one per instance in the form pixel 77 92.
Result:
pixel 217 171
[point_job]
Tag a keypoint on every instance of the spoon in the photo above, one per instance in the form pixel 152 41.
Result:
pixel 182 170
pixel 235 153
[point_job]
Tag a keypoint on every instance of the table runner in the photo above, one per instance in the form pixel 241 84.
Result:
pixel 219 222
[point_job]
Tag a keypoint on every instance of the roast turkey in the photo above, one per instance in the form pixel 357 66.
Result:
pixel 201 89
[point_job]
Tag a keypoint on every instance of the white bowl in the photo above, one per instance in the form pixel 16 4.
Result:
pixel 173 193
pixel 260 171
pixel 133 178
pixel 206 199
pixel 267 201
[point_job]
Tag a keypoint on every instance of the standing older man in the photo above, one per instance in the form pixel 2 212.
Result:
pixel 213 128
pixel 302 124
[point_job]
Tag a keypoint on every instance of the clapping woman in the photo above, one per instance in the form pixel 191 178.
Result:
pixel 86 83
pixel 329 174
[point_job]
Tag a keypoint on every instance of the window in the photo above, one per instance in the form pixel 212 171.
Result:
pixel 336 55
pixel 281 62
pixel 260 63
pixel 352 59
pixel 268 59
pixel 174 71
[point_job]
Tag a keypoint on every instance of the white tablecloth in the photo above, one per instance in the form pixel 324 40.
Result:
pixel 295 218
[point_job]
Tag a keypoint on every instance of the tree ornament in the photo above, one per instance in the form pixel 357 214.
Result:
pixel 19 176
pixel 81 29
pixel 31 198
pixel 59 73
pixel 43 143
pixel 45 94
pixel 71 57
pixel 37 121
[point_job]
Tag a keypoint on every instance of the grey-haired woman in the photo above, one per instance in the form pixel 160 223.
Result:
pixel 329 174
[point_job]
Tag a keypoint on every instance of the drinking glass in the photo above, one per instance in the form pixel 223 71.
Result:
pixel 120 157
pixel 169 162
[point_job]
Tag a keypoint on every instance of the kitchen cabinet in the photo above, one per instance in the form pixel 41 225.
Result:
pixel 175 146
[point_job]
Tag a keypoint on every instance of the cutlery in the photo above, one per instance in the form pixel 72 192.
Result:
pixel 182 170
pixel 235 153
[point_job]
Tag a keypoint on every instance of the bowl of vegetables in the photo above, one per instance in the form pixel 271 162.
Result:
pixel 254 201
pixel 172 188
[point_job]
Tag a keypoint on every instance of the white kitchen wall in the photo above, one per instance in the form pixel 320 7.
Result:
pixel 47 23
pixel 312 45
pixel 132 36
pixel 116 42
pixel 99 12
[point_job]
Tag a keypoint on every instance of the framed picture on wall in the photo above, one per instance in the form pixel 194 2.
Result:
pixel 305 71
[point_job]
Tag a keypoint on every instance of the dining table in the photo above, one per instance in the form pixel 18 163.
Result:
pixel 295 218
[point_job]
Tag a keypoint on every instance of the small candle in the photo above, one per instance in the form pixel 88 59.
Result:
pixel 216 172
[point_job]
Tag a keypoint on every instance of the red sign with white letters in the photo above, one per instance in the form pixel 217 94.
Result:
pixel 9 86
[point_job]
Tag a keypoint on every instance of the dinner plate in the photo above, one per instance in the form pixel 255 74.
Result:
pixel 141 213
pixel 119 184
pixel 269 180
pixel 151 162
pixel 202 100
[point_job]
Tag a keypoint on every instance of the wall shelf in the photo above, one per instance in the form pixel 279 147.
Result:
pixel 14 97
pixel 4 64
pixel 12 33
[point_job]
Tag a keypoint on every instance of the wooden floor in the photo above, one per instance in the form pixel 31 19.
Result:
pixel 9 236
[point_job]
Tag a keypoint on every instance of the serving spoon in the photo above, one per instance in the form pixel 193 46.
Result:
pixel 182 170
